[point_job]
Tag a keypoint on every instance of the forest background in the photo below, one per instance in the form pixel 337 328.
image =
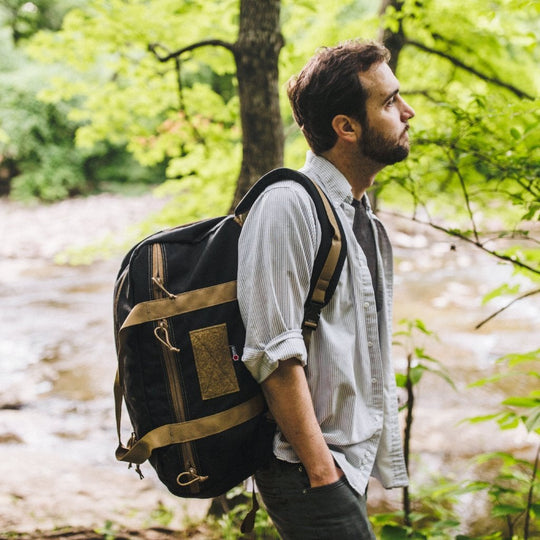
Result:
pixel 187 98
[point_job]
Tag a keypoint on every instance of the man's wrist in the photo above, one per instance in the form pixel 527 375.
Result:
pixel 324 476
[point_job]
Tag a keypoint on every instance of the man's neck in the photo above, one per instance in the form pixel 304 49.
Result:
pixel 359 172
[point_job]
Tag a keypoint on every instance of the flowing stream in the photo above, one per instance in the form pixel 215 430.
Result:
pixel 57 363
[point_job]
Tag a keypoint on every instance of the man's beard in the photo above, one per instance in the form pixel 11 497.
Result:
pixel 381 149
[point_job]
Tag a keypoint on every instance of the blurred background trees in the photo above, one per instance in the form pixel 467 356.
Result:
pixel 38 155
pixel 108 93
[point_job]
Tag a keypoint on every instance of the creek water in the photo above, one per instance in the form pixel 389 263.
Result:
pixel 57 364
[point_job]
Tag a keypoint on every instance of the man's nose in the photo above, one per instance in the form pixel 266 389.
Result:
pixel 407 111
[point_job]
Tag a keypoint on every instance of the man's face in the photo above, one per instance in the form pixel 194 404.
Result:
pixel 385 137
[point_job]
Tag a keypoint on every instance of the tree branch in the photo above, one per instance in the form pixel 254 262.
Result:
pixel 153 47
pixel 493 315
pixel 181 103
pixel 466 196
pixel 474 242
pixel 519 93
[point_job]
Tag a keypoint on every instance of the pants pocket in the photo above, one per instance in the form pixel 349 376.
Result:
pixel 328 489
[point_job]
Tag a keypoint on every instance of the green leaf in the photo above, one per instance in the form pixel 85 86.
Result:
pixel 416 374
pixel 532 422
pixel 514 132
pixel 503 510
pixel 391 532
pixel 445 524
pixel 519 358
pixel 483 418
pixel 401 380
pixel 506 458
pixel 504 289
pixel 508 420
pixel 473 487
pixel 419 324
pixel 521 402
pixel 535 507
pixel 487 380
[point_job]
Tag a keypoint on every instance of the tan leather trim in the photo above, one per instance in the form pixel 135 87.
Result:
pixel 190 430
pixel 332 259
pixel 162 308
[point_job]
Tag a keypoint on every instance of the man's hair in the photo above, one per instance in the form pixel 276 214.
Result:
pixel 329 85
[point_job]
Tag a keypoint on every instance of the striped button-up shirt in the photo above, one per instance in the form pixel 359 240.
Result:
pixel 348 367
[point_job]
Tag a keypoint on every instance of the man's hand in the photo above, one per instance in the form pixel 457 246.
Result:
pixel 289 400
pixel 325 480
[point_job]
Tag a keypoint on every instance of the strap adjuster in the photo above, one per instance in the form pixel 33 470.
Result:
pixel 312 315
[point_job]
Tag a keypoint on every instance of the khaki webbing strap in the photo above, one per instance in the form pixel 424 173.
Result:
pixel 190 430
pixel 330 264
pixel 118 399
pixel 319 292
pixel 162 308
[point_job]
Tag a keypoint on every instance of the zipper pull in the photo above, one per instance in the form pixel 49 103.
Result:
pixel 189 477
pixel 162 328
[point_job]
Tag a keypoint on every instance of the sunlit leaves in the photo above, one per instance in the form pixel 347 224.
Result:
pixel 517 410
pixel 504 289
pixel 126 92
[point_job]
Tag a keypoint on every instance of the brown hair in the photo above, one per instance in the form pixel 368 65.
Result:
pixel 329 85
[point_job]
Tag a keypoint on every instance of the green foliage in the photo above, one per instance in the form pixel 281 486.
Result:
pixel 418 361
pixel 109 530
pixel 127 95
pixel 38 143
pixel 474 167
pixel 186 118
pixel 517 410
pixel 513 492
pixel 25 18
pixel 467 69
pixel 37 151
pixel 429 512
pixel 162 515
pixel 227 527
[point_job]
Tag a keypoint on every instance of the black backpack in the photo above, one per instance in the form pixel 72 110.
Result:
pixel 198 415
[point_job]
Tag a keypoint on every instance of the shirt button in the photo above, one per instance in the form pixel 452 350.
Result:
pixel 366 304
pixel 370 343
pixel 374 380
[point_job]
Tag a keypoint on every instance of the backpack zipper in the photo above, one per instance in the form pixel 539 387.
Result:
pixel 189 477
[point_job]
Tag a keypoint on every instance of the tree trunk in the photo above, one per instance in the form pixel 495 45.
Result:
pixel 394 41
pixel 256 53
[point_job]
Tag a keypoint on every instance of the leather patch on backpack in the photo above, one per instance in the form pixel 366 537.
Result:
pixel 213 360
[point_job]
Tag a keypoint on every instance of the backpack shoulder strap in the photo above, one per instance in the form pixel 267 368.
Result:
pixel 332 251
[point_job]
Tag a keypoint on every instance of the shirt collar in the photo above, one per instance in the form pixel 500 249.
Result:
pixel 326 174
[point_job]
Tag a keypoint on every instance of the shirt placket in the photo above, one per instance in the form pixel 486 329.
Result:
pixel 375 403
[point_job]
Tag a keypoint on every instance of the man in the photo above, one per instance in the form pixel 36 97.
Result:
pixel 334 405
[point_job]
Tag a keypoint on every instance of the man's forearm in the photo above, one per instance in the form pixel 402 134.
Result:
pixel 289 401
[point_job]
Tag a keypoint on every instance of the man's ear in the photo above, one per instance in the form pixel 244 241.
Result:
pixel 347 128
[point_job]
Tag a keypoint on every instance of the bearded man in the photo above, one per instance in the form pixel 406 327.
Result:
pixel 335 404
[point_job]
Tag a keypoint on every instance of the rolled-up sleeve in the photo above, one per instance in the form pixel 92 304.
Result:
pixel 276 252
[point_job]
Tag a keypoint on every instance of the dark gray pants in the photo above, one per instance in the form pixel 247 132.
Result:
pixel 333 512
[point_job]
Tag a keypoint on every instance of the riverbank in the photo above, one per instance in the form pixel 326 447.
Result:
pixel 57 364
